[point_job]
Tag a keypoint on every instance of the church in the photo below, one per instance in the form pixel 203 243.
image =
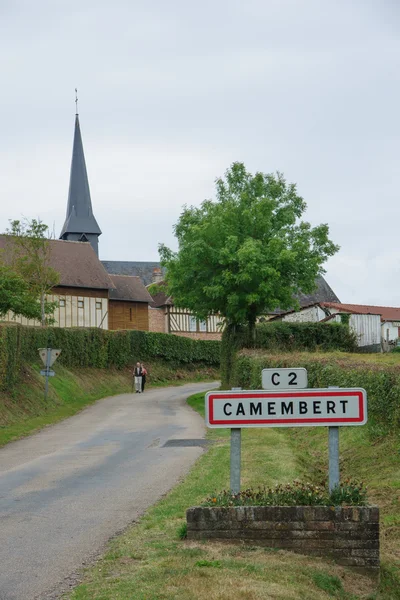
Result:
pixel 113 294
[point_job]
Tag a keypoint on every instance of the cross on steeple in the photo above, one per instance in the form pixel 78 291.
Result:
pixel 76 101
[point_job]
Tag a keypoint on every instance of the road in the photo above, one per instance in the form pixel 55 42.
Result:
pixel 66 490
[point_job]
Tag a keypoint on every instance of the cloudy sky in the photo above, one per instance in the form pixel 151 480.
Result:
pixel 171 93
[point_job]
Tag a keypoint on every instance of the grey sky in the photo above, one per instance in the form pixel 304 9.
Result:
pixel 171 93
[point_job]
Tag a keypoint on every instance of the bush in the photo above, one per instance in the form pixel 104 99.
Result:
pixel 382 382
pixel 351 493
pixel 97 348
pixel 285 337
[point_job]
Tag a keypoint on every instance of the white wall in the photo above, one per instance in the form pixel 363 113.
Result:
pixel 366 327
pixel 393 331
pixel 93 313
pixel 312 314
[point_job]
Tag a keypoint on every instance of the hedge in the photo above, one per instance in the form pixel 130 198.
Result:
pixel 97 348
pixel 286 337
pixel 381 381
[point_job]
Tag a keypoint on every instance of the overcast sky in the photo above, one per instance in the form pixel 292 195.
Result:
pixel 171 93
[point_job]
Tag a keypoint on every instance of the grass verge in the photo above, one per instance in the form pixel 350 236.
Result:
pixel 24 410
pixel 151 561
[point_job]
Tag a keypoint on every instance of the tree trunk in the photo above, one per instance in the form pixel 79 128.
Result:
pixel 42 309
pixel 252 317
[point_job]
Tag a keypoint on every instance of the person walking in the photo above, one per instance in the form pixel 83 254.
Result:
pixel 138 375
pixel 144 375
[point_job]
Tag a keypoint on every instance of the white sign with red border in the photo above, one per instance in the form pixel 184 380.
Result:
pixel 291 408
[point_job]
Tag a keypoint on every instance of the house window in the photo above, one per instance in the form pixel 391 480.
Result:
pixel 80 304
pixel 202 325
pixel 61 302
pixel 98 304
pixel 192 324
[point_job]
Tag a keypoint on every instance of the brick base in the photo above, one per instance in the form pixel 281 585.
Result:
pixel 350 535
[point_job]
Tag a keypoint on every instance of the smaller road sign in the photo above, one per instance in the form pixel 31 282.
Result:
pixel 286 379
pixel 297 408
pixel 54 354
pixel 47 373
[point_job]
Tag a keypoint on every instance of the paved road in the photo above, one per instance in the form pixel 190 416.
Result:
pixel 66 490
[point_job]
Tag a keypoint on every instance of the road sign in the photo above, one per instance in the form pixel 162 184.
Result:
pixel 54 354
pixel 287 379
pixel 47 372
pixel 297 408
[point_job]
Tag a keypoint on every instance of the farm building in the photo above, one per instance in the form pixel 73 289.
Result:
pixel 376 327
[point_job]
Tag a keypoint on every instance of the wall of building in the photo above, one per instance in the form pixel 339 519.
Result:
pixel 312 314
pixel 390 332
pixel 128 315
pixel 74 310
pixel 181 320
pixel 157 320
pixel 367 329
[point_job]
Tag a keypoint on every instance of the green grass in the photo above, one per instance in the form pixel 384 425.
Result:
pixel 25 411
pixel 151 560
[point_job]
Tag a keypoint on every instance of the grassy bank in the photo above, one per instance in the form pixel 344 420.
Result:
pixel 151 562
pixel 24 410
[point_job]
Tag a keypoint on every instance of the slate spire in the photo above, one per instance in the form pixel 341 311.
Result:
pixel 80 224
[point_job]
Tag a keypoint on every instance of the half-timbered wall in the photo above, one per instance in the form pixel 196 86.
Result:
pixel 73 311
pixel 181 320
pixel 128 315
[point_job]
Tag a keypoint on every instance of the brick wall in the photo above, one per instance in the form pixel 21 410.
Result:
pixel 350 535
pixel 200 335
pixel 157 320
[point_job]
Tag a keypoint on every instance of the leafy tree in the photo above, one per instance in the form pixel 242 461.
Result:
pixel 246 253
pixel 27 255
pixel 15 295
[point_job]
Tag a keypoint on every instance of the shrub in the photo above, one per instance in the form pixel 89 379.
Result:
pixel 351 493
pixel 382 382
pixel 97 348
pixel 285 337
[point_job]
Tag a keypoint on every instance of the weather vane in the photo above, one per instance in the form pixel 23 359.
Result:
pixel 76 99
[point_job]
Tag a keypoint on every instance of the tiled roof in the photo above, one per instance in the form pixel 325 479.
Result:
pixel 323 293
pixel 142 269
pixel 76 262
pixel 388 313
pixel 129 289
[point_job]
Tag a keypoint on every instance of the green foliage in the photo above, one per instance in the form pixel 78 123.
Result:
pixel 328 583
pixel 382 382
pixel 247 253
pixel 182 531
pixel 281 336
pixel 351 493
pixel 16 295
pixel 27 258
pixel 98 348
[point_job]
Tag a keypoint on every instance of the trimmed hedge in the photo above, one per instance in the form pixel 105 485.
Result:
pixel 286 337
pixel 97 348
pixel 382 382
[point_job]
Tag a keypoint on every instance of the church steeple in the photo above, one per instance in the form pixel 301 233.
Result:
pixel 80 224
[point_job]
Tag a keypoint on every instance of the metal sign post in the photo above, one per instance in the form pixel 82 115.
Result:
pixel 333 453
pixel 334 475
pixel 236 452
